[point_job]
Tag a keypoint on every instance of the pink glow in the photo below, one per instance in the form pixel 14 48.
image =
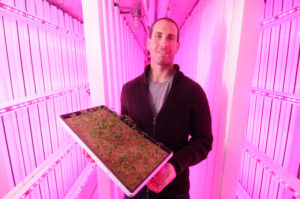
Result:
pixel 51 66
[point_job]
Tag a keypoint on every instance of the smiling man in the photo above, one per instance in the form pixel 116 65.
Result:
pixel 170 107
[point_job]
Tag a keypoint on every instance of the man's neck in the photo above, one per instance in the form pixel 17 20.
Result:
pixel 160 73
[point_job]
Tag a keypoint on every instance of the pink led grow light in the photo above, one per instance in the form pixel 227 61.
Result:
pixel 31 102
pixel 277 96
pixel 281 15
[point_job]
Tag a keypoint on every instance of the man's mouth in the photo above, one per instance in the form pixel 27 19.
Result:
pixel 162 52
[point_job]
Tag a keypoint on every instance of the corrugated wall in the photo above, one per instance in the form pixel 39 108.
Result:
pixel 208 54
pixel 43 74
pixel 271 160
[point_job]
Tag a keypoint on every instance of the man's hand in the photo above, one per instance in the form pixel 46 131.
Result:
pixel 162 178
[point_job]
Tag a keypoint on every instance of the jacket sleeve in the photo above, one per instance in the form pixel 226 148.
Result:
pixel 124 108
pixel 200 142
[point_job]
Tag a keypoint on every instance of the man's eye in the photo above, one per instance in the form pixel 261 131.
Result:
pixel 158 36
pixel 170 38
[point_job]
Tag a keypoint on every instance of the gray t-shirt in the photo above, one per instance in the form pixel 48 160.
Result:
pixel 159 92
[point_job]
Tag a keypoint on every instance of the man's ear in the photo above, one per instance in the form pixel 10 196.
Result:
pixel 177 47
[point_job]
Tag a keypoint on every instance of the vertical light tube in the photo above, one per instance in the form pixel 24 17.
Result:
pixel 122 51
pixel 130 44
pixel 120 42
pixel 78 54
pixel 133 53
pixel 125 39
pixel 113 55
pixel 118 71
pixel 107 55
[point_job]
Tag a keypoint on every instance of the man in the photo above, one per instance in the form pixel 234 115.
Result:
pixel 169 107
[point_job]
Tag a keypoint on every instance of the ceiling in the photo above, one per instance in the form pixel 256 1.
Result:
pixel 178 10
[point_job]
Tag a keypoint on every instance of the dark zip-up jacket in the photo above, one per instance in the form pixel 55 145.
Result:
pixel 184 113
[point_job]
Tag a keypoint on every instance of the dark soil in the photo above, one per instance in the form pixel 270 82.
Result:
pixel 130 155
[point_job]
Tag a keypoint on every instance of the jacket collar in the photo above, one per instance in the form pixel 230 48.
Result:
pixel 147 70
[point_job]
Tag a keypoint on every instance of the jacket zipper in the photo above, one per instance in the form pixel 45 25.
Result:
pixel 147 192
pixel 154 123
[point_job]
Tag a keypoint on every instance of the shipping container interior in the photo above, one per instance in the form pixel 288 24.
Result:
pixel 61 56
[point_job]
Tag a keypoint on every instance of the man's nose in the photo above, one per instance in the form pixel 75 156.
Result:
pixel 164 42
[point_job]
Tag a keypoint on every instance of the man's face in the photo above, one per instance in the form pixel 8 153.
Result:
pixel 163 43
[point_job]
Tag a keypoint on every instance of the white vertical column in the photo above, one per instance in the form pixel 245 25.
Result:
pixel 238 92
pixel 108 58
pixel 92 16
pixel 113 54
pixel 93 13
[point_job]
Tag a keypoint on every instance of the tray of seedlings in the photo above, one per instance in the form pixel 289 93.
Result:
pixel 127 155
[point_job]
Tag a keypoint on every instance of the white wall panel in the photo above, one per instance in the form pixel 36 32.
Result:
pixel 55 137
pixel 44 54
pixel 14 147
pixel 37 61
pixel 12 44
pixel 276 108
pixel 5 85
pixel 4 155
pixel 273 130
pixel 272 58
pixel 282 54
pixel 26 140
pixel 258 59
pixel 26 59
pixel 292 57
